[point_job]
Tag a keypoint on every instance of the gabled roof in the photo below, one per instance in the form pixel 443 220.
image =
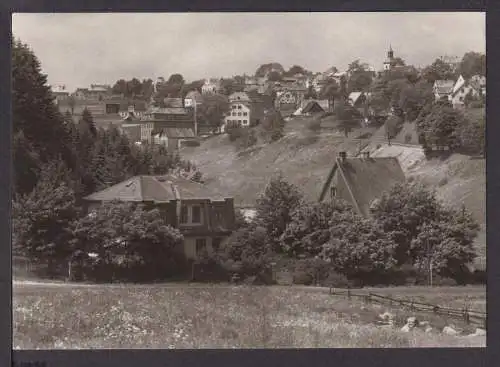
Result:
pixel 366 179
pixel 155 189
pixel 312 106
pixel 443 86
pixel 354 96
pixel 175 132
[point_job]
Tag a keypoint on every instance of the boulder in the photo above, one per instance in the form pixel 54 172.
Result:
pixel 449 331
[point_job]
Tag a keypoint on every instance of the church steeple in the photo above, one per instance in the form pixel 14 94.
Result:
pixel 390 53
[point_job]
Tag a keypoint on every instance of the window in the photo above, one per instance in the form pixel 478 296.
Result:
pixel 196 214
pixel 216 241
pixel 201 245
pixel 233 106
pixel 234 113
pixel 184 214
pixel 245 113
pixel 239 121
pixel 239 107
pixel 333 191
pixel 239 113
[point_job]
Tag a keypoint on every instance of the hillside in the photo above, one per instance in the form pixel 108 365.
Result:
pixel 305 158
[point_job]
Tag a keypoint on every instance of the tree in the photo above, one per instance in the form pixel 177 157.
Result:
pixel 412 215
pixel 43 219
pixel 175 79
pixel 130 236
pixel 472 134
pixel 413 97
pixel 360 76
pixel 473 63
pixel 273 126
pixel 359 248
pixel 274 76
pixel 347 116
pixel 309 227
pixel 264 69
pixel 120 87
pixel 440 126
pixel 296 69
pixel 213 109
pixel 275 206
pixel 438 70
pixel 37 123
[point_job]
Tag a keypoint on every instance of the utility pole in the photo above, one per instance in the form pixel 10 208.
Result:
pixel 195 118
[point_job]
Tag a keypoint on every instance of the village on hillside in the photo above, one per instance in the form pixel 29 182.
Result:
pixel 355 177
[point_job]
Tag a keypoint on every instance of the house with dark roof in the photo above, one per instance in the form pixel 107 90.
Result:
pixel 312 108
pixel 205 218
pixel 443 89
pixel 361 180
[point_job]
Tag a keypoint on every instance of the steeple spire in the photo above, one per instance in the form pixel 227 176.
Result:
pixel 390 53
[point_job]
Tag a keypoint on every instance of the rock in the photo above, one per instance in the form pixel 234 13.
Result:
pixel 386 316
pixel 478 332
pixel 412 322
pixel 449 330
pixel 406 328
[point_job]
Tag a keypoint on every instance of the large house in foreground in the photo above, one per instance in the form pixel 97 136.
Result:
pixel 206 219
pixel 361 180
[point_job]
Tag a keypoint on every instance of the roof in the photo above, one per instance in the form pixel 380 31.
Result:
pixel 239 96
pixel 173 102
pixel 175 132
pixel 312 106
pixel 443 86
pixel 168 110
pixel 366 179
pixel 353 96
pixel 156 189
pixel 194 94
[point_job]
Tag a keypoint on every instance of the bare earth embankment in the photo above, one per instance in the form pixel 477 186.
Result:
pixel 164 316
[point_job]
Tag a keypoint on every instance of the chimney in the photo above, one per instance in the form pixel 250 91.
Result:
pixel 342 156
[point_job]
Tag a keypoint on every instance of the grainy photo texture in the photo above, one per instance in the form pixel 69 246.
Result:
pixel 249 180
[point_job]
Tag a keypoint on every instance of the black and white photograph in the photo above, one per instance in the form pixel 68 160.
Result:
pixel 248 180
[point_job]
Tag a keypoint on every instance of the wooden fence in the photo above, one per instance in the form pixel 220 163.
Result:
pixel 466 314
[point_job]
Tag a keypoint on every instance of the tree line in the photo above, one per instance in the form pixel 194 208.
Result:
pixel 58 162
pixel 410 231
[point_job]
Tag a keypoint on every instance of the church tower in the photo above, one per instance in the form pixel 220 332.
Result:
pixel 390 57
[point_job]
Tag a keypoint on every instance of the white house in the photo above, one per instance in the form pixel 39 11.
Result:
pixel 442 89
pixel 461 89
pixel 239 114
pixel 211 86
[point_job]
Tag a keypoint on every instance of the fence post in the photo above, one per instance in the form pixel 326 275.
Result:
pixel 348 292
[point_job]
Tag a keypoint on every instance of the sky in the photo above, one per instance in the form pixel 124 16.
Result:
pixel 80 49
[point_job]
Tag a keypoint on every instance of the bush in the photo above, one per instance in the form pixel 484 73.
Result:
pixel 408 138
pixel 336 280
pixel 476 104
pixel 235 133
pixel 314 125
pixel 191 143
pixel 443 281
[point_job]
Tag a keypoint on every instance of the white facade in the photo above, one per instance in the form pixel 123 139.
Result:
pixel 239 114
pixel 210 87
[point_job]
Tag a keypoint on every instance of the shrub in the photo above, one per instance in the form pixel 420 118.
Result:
pixel 476 104
pixel 191 143
pixel 314 125
pixel 336 280
pixel 443 281
pixel 408 138
pixel 235 133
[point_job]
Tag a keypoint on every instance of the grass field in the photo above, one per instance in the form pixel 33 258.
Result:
pixel 184 316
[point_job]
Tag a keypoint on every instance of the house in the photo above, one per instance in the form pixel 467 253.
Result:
pixel 245 109
pixel 312 108
pixel 479 83
pixel 211 86
pixel 357 99
pixel 191 98
pixel 60 93
pixel 361 180
pixel 95 92
pixel 443 89
pixel 168 125
pixel 206 219
pixel 461 89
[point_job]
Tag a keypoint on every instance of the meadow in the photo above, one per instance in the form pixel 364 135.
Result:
pixel 204 316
